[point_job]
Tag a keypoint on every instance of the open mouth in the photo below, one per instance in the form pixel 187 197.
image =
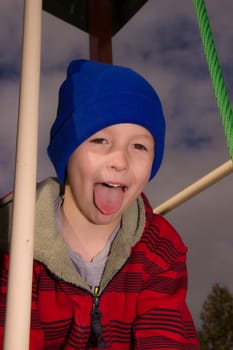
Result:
pixel 108 197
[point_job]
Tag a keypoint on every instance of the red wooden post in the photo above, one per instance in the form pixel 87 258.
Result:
pixel 100 30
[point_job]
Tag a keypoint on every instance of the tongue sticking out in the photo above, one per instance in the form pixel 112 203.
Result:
pixel 108 199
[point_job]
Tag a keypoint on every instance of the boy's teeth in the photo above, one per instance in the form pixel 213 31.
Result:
pixel 112 185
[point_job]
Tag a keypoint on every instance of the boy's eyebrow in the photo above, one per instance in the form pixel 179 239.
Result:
pixel 147 136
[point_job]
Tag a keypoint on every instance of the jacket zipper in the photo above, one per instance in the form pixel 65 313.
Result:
pixel 96 319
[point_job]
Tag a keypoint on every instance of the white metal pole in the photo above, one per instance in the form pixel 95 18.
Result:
pixel 18 314
pixel 198 186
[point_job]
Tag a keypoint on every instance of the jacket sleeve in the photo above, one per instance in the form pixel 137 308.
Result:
pixel 163 320
pixel 36 332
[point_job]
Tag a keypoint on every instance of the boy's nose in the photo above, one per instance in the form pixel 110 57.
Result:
pixel 119 160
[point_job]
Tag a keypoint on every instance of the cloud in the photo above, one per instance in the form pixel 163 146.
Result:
pixel 191 139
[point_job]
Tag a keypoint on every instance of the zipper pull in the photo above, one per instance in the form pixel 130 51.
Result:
pixel 96 291
pixel 96 300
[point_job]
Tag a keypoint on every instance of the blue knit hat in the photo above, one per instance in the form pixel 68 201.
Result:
pixel 97 95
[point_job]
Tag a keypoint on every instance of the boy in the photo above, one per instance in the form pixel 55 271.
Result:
pixel 108 273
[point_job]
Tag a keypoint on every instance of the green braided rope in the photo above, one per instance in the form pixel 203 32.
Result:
pixel 215 72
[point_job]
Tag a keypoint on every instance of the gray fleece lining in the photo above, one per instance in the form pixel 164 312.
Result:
pixel 51 249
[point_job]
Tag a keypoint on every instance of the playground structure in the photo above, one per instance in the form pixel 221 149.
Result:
pixel 18 308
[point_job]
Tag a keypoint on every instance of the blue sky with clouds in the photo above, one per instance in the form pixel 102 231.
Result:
pixel 162 42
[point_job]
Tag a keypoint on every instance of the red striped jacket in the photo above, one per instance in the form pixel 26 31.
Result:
pixel 140 303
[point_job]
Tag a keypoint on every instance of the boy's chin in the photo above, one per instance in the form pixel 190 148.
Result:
pixel 106 218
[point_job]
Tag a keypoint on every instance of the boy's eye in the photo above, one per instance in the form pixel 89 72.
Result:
pixel 140 147
pixel 99 140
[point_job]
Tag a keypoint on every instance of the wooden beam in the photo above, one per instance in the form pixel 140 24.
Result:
pixel 197 187
pixel 100 30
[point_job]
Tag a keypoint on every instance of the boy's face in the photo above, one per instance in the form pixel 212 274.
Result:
pixel 108 171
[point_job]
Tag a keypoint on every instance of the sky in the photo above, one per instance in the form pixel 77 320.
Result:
pixel 161 42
